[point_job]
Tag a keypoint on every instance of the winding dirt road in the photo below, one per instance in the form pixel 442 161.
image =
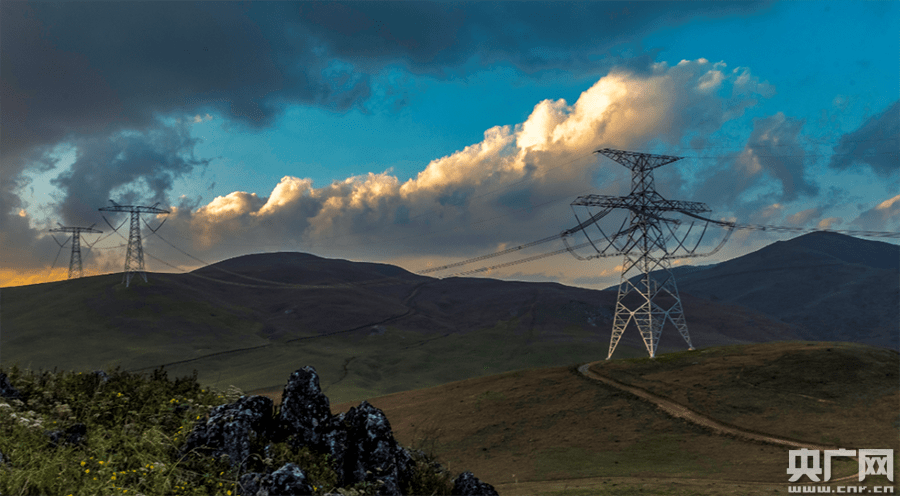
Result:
pixel 678 410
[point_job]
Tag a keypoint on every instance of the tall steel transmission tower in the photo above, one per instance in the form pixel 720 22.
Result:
pixel 134 256
pixel 651 301
pixel 75 270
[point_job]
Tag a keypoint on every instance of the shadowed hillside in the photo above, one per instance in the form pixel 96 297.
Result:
pixel 375 329
pixel 830 286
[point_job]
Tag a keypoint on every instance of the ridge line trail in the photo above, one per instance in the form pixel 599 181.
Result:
pixel 680 411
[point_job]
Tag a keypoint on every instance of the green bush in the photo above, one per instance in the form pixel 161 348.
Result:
pixel 136 425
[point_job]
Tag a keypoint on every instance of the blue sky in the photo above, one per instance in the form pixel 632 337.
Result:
pixel 423 133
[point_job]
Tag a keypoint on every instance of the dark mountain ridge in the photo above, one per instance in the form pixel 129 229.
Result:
pixel 339 312
pixel 831 286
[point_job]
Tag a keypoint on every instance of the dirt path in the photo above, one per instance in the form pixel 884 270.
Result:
pixel 678 410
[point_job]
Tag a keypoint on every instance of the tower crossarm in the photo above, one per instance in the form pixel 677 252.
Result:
pixel 135 208
pixel 637 161
pixel 636 202
pixel 75 230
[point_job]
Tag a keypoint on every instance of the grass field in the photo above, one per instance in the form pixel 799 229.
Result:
pixel 553 431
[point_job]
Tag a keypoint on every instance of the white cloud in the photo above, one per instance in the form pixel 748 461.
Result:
pixel 829 222
pixel 289 190
pixel 509 175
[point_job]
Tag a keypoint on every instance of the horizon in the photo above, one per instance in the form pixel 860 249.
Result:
pixel 388 132
pixel 606 288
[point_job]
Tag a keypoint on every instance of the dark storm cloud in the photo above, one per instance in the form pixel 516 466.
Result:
pixel 773 144
pixel 146 163
pixel 81 73
pixel 772 155
pixel 874 144
pixel 83 67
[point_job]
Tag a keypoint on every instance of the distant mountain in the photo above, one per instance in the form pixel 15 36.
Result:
pixel 245 319
pixel 831 286
pixel 378 328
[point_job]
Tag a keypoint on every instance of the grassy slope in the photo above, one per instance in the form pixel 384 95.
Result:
pixel 355 367
pixel 225 335
pixel 522 430
pixel 104 324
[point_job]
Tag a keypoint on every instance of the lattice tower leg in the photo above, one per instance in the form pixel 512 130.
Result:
pixel 134 257
pixel 75 259
pixel 675 313
pixel 647 313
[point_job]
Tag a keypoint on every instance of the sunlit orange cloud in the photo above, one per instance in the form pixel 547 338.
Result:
pixel 829 222
pixel 12 277
pixel 443 210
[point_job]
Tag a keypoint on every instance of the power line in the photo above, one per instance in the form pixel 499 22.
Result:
pixel 807 141
pixel 792 156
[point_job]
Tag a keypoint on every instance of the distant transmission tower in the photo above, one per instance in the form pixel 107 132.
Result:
pixel 134 256
pixel 75 261
pixel 650 302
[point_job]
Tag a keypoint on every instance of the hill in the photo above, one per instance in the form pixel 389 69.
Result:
pixel 828 285
pixel 554 431
pixel 373 328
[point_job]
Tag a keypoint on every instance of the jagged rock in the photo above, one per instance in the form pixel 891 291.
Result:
pixel 101 376
pixel 7 390
pixel 305 415
pixel 288 480
pixel 360 442
pixel 372 454
pixel 72 436
pixel 334 443
pixel 231 427
pixel 249 484
pixel 469 485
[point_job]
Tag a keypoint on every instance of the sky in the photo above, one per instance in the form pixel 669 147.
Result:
pixel 424 133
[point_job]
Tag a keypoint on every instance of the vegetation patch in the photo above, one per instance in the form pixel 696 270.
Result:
pixel 115 432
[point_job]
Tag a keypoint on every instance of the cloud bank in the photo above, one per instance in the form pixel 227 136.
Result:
pixel 509 175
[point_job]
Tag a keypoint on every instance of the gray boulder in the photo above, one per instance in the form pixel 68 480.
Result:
pixel 101 376
pixel 7 390
pixel 288 480
pixel 305 415
pixel 248 484
pixel 372 454
pixel 231 428
pixel 469 485
pixel 73 435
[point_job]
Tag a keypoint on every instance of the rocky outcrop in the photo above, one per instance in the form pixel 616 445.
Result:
pixel 7 390
pixel 289 480
pixel 231 428
pixel 73 436
pixel 360 443
pixel 305 415
pixel 371 454
pixel 469 485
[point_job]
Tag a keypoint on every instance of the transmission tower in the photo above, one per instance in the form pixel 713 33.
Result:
pixel 75 261
pixel 134 256
pixel 651 301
